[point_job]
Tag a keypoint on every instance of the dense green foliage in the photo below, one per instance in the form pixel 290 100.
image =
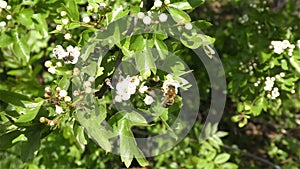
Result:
pixel 59 58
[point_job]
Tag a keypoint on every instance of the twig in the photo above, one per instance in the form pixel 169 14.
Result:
pixel 254 156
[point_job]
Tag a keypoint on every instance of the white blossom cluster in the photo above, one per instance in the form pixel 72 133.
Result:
pixel 126 87
pixel 170 82
pixel 159 3
pixel 52 68
pixel 244 19
pixel 249 68
pixel 269 87
pixel 61 95
pixel 280 46
pixel 64 21
pixel 70 55
pixel 4 5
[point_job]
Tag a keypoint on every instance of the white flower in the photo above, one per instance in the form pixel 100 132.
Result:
pixel 74 53
pixel 58 89
pixel 90 8
pixel 88 90
pixel 167 2
pixel 126 87
pixel 63 93
pixel 140 15
pixel 275 93
pixel 8 17
pixel 118 98
pixel 147 20
pixel 58 64
pixel 188 26
pixel 86 19
pixel 102 5
pixel 65 21
pixel 58 109
pixel 298 43
pixel 67 36
pixel 63 13
pixel 135 80
pixel 76 93
pixel 8 7
pixel 3 4
pixel 76 71
pixel 52 70
pixel 2 24
pixel 285 44
pixel 91 79
pixel 59 27
pixel 67 99
pixel 48 64
pixel 48 89
pixel 148 100
pixel 157 3
pixel 87 84
pixel 163 17
pixel 142 89
pixel 59 52
pixel 269 83
pixel 278 46
pixel 282 74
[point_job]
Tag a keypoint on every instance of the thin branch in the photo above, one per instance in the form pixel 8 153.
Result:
pixel 254 156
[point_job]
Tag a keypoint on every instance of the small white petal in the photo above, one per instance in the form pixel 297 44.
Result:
pixel 58 109
pixel 163 17
pixel 63 13
pixel 48 64
pixel 63 93
pixel 147 20
pixel 148 100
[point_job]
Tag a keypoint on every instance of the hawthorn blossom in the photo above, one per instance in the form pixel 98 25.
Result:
pixel 163 17
pixel 269 83
pixel 275 93
pixel 148 100
pixel 147 20
pixel 58 109
pixel 126 87
pixel 157 3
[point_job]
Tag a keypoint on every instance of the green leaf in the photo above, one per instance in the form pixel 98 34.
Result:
pixel 161 48
pixel 178 15
pixel 196 3
pixel 25 17
pixel 21 137
pixel 259 105
pixel 72 9
pixel 145 62
pixel 21 48
pixel 5 39
pixel 181 5
pixel 64 83
pixel 92 120
pixel 40 24
pixel 29 147
pixel 137 43
pixel 222 158
pixel 128 145
pixel 263 57
pixel 7 139
pixel 202 24
pixel 230 165
pixel 12 98
pixel 284 64
pixel 30 111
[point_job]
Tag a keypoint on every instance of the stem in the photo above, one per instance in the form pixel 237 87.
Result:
pixel 254 157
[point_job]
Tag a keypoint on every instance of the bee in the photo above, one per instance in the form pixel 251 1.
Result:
pixel 169 96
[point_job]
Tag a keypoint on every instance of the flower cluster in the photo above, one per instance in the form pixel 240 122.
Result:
pixel 126 87
pixel 52 68
pixel 7 14
pixel 170 82
pixel 280 46
pixel 158 3
pixel 70 55
pixel 59 96
pixel 269 86
pixel 249 67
